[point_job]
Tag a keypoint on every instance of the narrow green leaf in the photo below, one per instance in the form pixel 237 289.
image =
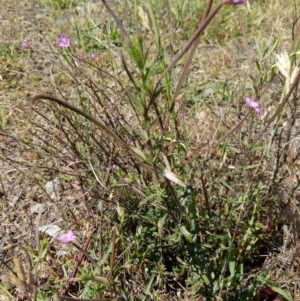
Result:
pixel 142 155
pixel 276 288
pixel 147 289
pixel 186 234
pixel 232 263
pixel 252 166
pixel 95 272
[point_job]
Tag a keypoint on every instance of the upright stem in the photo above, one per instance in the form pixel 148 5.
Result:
pixel 190 42
pixel 191 54
pixel 235 127
pixel 282 105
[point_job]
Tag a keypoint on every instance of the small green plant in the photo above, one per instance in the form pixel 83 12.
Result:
pixel 159 206
pixel 61 4
pixel 4 118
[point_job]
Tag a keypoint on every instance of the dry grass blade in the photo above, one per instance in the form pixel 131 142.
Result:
pixel 18 268
pixel 19 278
pixel 118 21
pixel 12 279
pixel 282 105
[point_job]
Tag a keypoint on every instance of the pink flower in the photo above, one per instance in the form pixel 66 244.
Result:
pixel 67 238
pixel 81 57
pixel 253 105
pixel 234 2
pixel 25 45
pixel 238 1
pixel 112 168
pixel 64 41
pixel 111 103
pixel 93 56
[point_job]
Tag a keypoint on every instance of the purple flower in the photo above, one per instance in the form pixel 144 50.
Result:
pixel 253 105
pixel 234 2
pixel 67 238
pixel 238 1
pixel 81 57
pixel 64 41
pixel 93 56
pixel 111 103
pixel 112 168
pixel 25 45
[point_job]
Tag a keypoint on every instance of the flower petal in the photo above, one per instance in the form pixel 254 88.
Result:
pixel 64 41
pixel 282 69
pixel 234 2
pixel 294 74
pixel 258 110
pixel 25 45
pixel 248 102
pixel 253 105
pixel 67 238
pixel 93 56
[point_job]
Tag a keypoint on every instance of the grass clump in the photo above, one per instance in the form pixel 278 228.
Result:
pixel 172 191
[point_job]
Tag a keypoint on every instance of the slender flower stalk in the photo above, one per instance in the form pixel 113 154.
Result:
pixel 234 128
pixel 203 25
pixel 85 253
pixel 253 106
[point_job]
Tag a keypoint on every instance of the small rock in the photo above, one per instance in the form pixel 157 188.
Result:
pixel 38 208
pixel 53 186
pixel 208 92
pixel 51 230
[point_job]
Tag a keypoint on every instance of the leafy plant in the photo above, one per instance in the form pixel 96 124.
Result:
pixel 168 206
